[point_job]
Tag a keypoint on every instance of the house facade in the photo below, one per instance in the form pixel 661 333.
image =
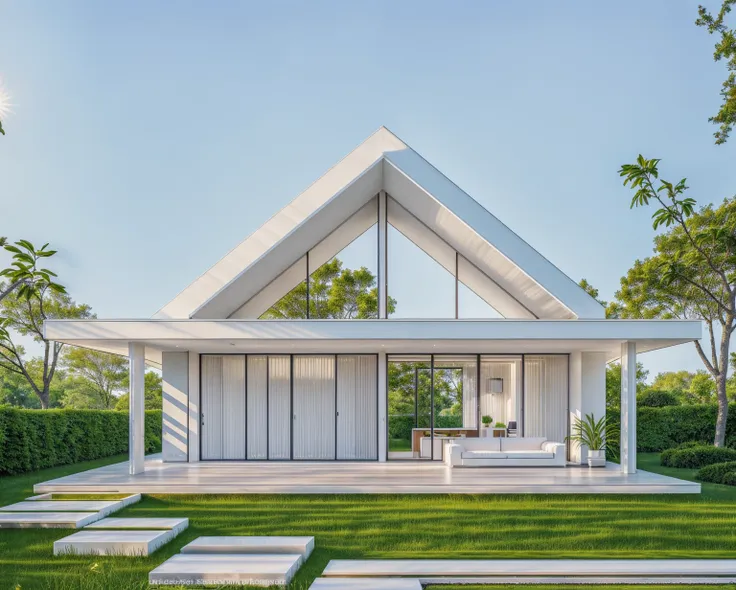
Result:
pixel 241 388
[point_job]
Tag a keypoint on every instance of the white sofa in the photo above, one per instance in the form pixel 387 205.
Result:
pixel 505 452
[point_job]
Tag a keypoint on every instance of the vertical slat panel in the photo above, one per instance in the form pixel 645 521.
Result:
pixel 279 407
pixel 357 420
pixel 233 407
pixel 212 407
pixel 314 407
pixel 470 395
pixel 545 396
pixel 257 392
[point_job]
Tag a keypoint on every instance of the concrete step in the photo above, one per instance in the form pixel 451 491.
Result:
pixel 252 545
pixel 429 570
pixel 148 524
pixel 122 543
pixel 226 569
pixel 365 584
pixel 47 520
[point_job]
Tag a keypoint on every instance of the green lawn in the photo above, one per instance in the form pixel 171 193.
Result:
pixel 394 526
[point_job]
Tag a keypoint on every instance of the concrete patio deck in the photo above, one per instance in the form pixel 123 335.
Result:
pixel 399 477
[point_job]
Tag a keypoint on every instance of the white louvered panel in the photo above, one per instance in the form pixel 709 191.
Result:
pixel 555 383
pixel 233 407
pixel 470 395
pixel 257 393
pixel 545 396
pixel 314 407
pixel 279 407
pixel 357 420
pixel 211 407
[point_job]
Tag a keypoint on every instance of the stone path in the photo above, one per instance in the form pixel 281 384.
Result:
pixel 253 560
pixel 44 512
pixel 122 536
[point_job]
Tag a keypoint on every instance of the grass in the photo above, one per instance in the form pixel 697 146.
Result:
pixel 399 444
pixel 435 526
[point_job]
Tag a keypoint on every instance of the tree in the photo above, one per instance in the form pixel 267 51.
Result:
pixel 101 375
pixel 24 274
pixel 153 393
pixel 725 49
pixel 24 314
pixel 334 292
pixel 613 383
pixel 692 272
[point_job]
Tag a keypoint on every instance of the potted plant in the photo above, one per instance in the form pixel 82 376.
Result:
pixel 594 434
pixel 486 424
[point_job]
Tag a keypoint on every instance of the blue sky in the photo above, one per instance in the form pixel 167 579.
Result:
pixel 148 139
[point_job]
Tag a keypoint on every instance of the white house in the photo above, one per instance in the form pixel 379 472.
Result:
pixel 241 388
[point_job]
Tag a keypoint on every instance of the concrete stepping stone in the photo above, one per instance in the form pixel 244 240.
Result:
pixel 433 570
pixel 103 507
pixel 225 569
pixel 175 524
pixel 128 543
pixel 252 545
pixel 49 520
pixel 365 584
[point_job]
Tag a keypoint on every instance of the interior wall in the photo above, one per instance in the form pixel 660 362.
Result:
pixel 500 406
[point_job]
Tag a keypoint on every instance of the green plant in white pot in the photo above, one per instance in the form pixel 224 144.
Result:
pixel 595 435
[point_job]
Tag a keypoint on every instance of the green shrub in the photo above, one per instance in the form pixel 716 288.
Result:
pixel 653 398
pixel 666 457
pixel 667 427
pixel 697 457
pixel 717 472
pixel 730 478
pixel 37 439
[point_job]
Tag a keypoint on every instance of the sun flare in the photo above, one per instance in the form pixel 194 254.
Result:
pixel 5 103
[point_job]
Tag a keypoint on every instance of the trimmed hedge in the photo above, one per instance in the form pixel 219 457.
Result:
pixel 717 472
pixel 696 457
pixel 37 439
pixel 730 478
pixel 664 428
pixel 654 398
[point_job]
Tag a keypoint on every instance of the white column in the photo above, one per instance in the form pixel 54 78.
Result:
pixel 382 256
pixel 382 410
pixel 628 407
pixel 175 385
pixel 137 416
pixel 194 407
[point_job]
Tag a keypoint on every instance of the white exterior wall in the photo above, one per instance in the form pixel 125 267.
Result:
pixel 195 421
pixel 587 392
pixel 175 435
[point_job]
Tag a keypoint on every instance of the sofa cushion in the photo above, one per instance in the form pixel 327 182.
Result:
pixel 483 455
pixel 481 444
pixel 529 455
pixel 522 444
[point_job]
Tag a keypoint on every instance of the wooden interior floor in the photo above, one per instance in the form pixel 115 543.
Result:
pixel 397 477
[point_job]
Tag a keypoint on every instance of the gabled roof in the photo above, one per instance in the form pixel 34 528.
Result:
pixel 423 204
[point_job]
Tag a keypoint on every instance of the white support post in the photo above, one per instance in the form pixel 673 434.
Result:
pixel 382 256
pixel 382 411
pixel 137 416
pixel 628 407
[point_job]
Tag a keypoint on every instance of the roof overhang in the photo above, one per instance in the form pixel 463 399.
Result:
pixel 391 336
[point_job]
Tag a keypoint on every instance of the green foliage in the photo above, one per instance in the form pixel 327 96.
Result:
pixel 697 456
pixel 153 393
pixel 717 472
pixel 400 427
pixel 653 398
pixel 486 420
pixel 32 440
pixel 24 274
pixel 613 383
pixel 334 292
pixel 725 49
pixel 103 376
pixel 500 425
pixel 597 435
pixel 664 428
